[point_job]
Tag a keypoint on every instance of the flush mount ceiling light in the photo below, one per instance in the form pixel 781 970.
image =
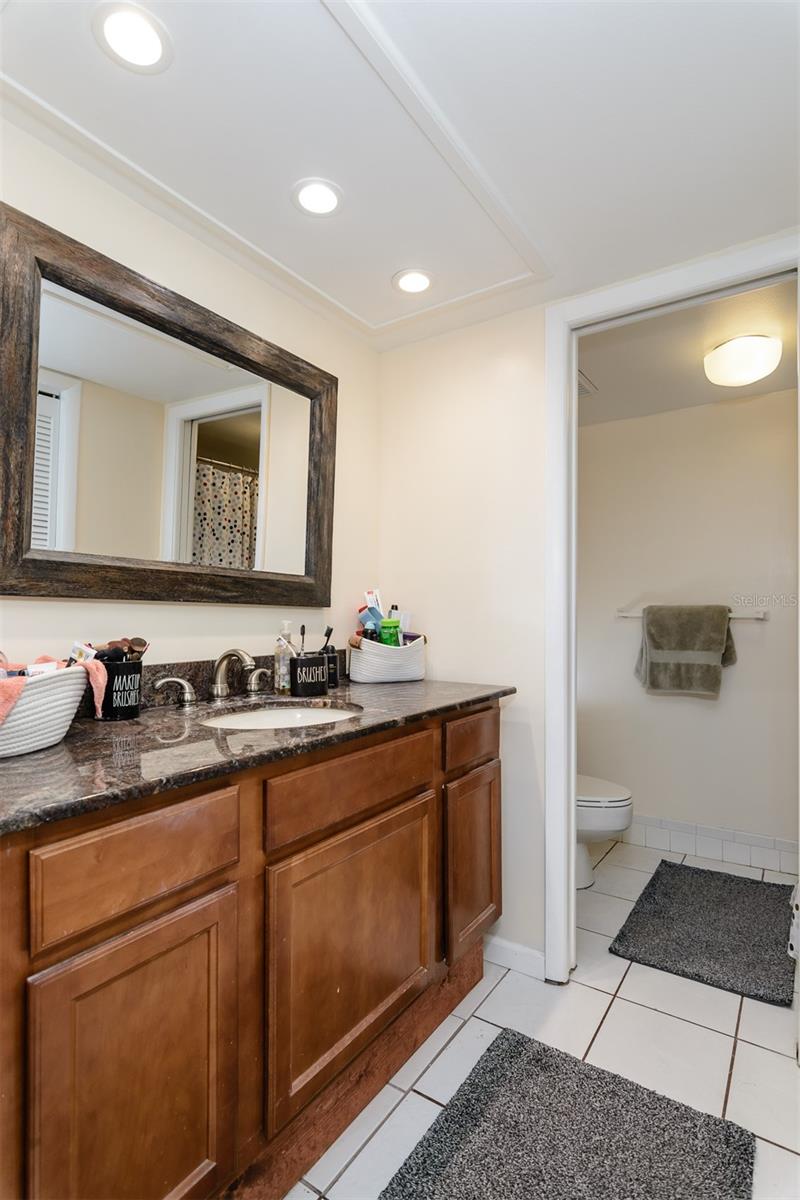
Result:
pixel 319 197
pixel 412 280
pixel 133 37
pixel 743 360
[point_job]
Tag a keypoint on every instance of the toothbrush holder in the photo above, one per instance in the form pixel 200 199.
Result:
pixel 308 675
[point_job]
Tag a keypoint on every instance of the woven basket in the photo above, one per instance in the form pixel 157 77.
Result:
pixel 44 711
pixel 372 662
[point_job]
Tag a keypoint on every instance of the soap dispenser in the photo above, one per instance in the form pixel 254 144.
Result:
pixel 284 652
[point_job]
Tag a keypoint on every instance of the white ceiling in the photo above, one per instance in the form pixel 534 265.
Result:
pixel 656 364
pixel 517 151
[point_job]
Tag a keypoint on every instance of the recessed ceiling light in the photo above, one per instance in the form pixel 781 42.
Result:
pixel 133 37
pixel 412 279
pixel 743 360
pixel 317 196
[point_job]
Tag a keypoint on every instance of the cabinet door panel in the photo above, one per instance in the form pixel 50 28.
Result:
pixel 133 1061
pixel 472 827
pixel 351 926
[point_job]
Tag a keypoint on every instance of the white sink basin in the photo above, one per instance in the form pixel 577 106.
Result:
pixel 280 717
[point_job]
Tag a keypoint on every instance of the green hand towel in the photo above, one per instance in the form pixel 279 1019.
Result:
pixel 684 648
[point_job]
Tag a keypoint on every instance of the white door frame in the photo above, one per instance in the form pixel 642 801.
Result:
pixel 177 417
pixel 562 322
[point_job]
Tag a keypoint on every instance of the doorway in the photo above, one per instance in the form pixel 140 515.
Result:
pixel 563 324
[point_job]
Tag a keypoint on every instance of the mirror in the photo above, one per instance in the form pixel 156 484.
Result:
pixel 147 447
pixel 151 449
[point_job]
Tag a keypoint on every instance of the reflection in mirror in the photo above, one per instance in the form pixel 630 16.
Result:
pixel 149 448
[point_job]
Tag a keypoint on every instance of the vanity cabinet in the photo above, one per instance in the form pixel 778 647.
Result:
pixel 133 1061
pixel 351 942
pixel 472 821
pixel 217 979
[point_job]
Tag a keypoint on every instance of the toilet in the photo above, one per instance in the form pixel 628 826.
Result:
pixel 603 810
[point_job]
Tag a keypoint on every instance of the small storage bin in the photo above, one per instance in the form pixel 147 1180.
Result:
pixel 123 691
pixel 372 662
pixel 44 712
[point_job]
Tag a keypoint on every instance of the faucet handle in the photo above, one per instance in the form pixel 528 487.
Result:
pixel 254 684
pixel 188 694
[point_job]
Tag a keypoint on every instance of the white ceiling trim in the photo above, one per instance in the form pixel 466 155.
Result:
pixel 47 123
pixel 365 31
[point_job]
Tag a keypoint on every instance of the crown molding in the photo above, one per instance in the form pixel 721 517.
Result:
pixel 35 116
pixel 358 21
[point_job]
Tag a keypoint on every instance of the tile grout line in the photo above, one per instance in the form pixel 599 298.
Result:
pixel 780 1146
pixel 605 1014
pixel 404 1092
pixel 733 1058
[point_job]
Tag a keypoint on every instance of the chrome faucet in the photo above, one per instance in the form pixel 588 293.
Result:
pixel 219 688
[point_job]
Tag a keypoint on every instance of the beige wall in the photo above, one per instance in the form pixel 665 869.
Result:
pixel 694 506
pixel 120 464
pixel 462 529
pixel 45 184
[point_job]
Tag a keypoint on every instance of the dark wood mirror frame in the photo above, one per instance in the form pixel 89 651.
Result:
pixel 32 252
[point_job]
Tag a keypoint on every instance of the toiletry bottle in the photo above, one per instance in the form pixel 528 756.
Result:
pixel 283 654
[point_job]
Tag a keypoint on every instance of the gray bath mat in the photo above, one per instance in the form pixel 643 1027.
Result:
pixel 713 927
pixel 533 1123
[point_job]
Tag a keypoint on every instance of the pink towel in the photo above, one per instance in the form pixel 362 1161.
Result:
pixel 11 689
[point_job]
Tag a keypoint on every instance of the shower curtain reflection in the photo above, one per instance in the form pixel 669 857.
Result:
pixel 225 509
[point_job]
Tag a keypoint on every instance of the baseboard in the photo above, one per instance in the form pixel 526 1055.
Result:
pixel 513 955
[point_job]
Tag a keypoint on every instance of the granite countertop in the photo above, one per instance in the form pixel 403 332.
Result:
pixel 102 763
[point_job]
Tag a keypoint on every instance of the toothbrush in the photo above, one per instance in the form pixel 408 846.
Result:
pixel 328 632
pixel 302 640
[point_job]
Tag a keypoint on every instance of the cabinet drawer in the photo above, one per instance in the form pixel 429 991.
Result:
pixel 83 881
pixel 320 797
pixel 472 825
pixel 469 738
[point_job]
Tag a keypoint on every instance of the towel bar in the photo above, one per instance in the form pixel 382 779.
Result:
pixel 759 614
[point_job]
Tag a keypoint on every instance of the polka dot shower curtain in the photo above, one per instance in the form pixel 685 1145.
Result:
pixel 225 507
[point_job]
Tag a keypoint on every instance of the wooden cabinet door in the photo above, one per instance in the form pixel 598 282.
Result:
pixel 132 1073
pixel 351 930
pixel 472 831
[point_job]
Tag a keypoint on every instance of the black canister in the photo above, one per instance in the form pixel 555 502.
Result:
pixel 308 675
pixel 123 691
pixel 333 667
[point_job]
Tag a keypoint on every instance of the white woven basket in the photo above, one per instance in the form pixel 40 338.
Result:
pixel 372 662
pixel 44 711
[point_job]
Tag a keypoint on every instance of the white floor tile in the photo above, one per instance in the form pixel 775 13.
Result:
pixel 600 913
pixel 444 1077
pixel 369 1173
pixel 764 1095
pixel 619 881
pixel 598 850
pixel 596 967
pixel 640 858
pixel 561 1016
pixel 714 864
pixel 777 1173
pixel 670 1056
pixel 769 1026
pixel 301 1192
pixel 780 877
pixel 336 1158
pixel 492 974
pixel 681 997
pixel 411 1070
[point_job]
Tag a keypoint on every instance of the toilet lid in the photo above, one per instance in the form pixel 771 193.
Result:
pixel 599 792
